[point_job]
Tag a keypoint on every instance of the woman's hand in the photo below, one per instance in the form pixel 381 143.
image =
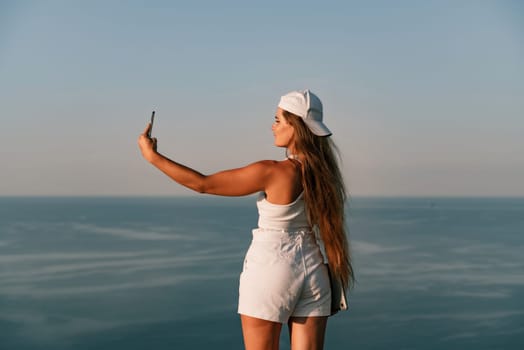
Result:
pixel 147 144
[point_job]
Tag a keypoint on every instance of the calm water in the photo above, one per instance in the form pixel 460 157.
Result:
pixel 162 273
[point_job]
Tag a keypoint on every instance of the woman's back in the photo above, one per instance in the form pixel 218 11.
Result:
pixel 285 184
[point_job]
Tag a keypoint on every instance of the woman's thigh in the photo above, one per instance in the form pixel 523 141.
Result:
pixel 260 334
pixel 307 333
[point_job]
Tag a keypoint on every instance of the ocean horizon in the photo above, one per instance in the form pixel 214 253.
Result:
pixel 135 272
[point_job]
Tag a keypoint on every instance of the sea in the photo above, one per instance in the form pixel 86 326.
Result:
pixel 162 273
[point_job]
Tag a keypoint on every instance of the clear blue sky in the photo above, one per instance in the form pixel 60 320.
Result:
pixel 424 97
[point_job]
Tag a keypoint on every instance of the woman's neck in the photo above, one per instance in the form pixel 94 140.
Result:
pixel 294 156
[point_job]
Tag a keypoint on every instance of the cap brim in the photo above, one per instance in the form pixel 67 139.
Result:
pixel 317 128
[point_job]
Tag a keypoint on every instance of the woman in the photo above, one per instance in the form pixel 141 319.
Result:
pixel 284 279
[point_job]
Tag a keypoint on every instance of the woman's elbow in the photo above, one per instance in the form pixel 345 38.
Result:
pixel 201 186
pixel 201 190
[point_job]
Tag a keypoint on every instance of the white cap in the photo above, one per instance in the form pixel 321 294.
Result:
pixel 306 105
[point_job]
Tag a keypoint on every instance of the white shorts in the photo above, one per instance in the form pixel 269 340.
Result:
pixel 284 275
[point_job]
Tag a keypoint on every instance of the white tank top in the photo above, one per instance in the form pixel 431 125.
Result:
pixel 287 217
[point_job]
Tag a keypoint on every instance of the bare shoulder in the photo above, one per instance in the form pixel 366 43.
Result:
pixel 265 169
pixel 275 172
pixel 265 166
pixel 267 163
pixel 276 167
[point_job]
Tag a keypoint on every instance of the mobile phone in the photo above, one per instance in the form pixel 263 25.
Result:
pixel 152 121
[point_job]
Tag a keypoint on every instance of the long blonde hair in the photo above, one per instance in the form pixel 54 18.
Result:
pixel 324 194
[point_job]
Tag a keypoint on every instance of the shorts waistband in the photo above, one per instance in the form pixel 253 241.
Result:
pixel 270 234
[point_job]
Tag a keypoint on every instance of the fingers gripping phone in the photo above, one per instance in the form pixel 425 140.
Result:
pixel 152 121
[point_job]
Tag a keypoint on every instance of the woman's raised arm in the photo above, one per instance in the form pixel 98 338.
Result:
pixel 235 182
